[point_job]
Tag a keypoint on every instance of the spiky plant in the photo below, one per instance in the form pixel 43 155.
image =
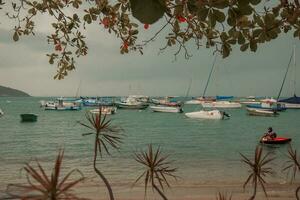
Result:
pixel 105 135
pixel 293 164
pixel 157 169
pixel 258 170
pixel 40 186
pixel 223 196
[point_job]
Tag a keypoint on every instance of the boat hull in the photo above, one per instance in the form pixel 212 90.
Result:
pixel 202 114
pixel 28 117
pixel 139 106
pixel 278 140
pixel 221 104
pixel 292 105
pixel 166 109
pixel 64 108
pixel 261 112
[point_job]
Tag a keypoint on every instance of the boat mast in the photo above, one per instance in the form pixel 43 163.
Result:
pixel 287 70
pixel 212 68
pixel 295 70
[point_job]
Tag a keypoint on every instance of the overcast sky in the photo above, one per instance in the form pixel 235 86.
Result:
pixel 104 71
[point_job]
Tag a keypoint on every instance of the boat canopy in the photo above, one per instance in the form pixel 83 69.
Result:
pixel 224 97
pixel 294 99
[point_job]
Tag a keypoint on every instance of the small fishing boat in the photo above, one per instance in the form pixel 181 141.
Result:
pixel 28 117
pixel 268 106
pixel 203 114
pixel 62 105
pixel 168 109
pixel 221 104
pixel 1 113
pixel 261 112
pixel 277 140
pixel 107 110
pixel 132 103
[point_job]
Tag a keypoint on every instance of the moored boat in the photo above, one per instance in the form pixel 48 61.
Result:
pixel 221 104
pixel 107 110
pixel 29 117
pixel 261 112
pixel 61 105
pixel 132 103
pixel 203 114
pixel 168 109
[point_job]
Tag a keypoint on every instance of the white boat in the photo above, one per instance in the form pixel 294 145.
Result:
pixel 200 100
pixel 261 112
pixel 1 113
pixel 132 103
pixel 61 105
pixel 107 110
pixel 204 114
pixel 169 109
pixel 221 104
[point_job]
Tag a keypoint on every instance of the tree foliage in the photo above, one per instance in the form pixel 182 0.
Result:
pixel 218 24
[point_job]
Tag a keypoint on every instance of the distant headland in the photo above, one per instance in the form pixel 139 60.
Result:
pixel 9 92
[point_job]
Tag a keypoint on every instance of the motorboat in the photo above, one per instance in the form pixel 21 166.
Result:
pixel 221 104
pixel 268 106
pixel 204 114
pixel 28 117
pixel 107 110
pixel 61 105
pixel 277 140
pixel 132 103
pixel 261 112
pixel 168 109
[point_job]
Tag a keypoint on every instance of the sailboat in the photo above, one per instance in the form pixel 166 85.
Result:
pixel 294 101
pixel 206 114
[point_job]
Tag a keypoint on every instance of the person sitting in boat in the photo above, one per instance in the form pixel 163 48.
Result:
pixel 270 135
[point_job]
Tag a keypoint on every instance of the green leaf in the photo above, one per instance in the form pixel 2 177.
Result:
pixel 87 18
pixel 241 39
pixel 253 45
pixel 244 47
pixel 255 2
pixel 202 13
pixel 15 36
pixel 256 32
pixel 220 16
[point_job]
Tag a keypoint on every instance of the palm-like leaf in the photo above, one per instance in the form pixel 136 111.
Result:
pixel 293 164
pixel 157 169
pixel 105 135
pixel 42 187
pixel 223 196
pixel 258 169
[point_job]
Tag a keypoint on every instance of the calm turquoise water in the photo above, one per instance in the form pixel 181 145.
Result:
pixel 203 151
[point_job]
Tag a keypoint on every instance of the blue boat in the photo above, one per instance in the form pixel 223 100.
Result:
pixel 274 107
pixel 224 97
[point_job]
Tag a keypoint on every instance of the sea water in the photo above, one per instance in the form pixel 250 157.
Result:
pixel 204 151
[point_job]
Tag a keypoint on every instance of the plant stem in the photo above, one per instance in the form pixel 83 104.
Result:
pixel 159 191
pixel 297 190
pixel 111 195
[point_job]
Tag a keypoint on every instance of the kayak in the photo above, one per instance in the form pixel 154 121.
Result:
pixel 278 140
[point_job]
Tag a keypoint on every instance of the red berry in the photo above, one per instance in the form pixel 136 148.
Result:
pixel 146 26
pixel 58 47
pixel 181 19
pixel 105 21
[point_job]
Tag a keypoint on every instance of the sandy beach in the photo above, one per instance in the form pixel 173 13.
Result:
pixel 93 190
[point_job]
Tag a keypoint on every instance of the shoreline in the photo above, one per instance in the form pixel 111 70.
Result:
pixel 275 191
